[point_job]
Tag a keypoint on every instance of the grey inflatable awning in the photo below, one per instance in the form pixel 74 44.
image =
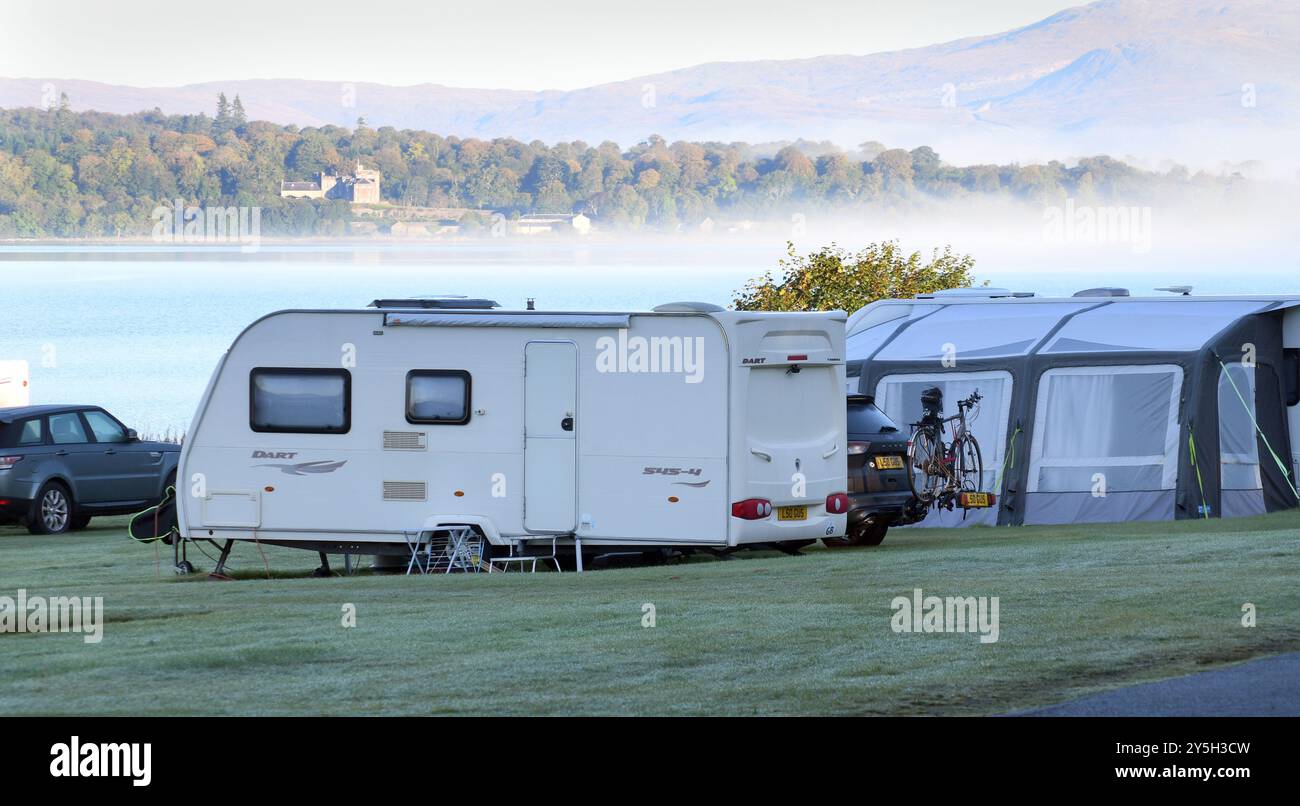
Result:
pixel 430 319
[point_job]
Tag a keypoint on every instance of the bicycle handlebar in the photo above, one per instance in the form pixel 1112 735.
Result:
pixel 968 403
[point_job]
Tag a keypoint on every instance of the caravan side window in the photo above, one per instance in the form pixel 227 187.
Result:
pixel 437 396
pixel 300 401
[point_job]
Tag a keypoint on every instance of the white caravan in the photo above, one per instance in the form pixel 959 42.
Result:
pixel 365 431
pixel 14 380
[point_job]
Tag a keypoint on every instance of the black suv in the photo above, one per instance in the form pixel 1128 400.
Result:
pixel 878 490
pixel 61 465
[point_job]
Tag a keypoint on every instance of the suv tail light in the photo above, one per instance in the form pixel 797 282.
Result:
pixel 837 503
pixel 7 462
pixel 751 509
pixel 857 461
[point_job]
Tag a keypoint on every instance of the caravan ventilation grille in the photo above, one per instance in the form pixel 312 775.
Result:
pixel 405 491
pixel 405 441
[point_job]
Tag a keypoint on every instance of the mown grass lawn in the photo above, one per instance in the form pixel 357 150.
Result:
pixel 1081 608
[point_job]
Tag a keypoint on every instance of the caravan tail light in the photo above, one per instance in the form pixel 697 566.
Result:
pixel 7 462
pixel 751 509
pixel 796 358
pixel 837 503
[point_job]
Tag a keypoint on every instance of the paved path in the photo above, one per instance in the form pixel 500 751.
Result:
pixel 1263 687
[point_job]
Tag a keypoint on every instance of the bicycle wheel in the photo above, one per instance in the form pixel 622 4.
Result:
pixel 970 463
pixel 925 463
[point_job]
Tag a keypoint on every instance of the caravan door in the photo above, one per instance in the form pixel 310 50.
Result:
pixel 550 436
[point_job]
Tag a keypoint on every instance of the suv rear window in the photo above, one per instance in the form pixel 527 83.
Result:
pixel 865 418
pixel 21 433
pixel 28 432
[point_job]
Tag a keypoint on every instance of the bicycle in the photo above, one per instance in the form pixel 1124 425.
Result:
pixel 943 475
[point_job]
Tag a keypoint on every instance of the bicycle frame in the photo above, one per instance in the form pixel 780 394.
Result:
pixel 943 461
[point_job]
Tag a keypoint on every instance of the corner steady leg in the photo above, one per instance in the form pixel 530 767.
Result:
pixel 220 571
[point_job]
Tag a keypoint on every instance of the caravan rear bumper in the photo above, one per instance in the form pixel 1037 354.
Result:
pixel 770 530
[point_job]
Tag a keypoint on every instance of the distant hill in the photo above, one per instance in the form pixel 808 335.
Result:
pixel 1110 75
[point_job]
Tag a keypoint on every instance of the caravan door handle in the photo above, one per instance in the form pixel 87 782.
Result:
pixel 566 424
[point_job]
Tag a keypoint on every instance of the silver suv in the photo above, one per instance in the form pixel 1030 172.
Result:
pixel 62 465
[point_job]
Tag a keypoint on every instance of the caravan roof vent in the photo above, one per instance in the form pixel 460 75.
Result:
pixel 687 307
pixel 969 293
pixel 1102 292
pixel 1183 290
pixel 445 301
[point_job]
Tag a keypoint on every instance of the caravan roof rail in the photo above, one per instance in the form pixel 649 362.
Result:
pixel 444 302
pixel 972 293
pixel 688 307
pixel 1102 292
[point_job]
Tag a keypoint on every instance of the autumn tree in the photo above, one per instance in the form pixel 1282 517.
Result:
pixel 95 174
pixel 832 278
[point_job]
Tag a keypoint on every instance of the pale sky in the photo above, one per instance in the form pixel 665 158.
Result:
pixel 561 44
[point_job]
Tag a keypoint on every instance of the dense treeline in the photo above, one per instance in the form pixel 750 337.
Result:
pixel 65 173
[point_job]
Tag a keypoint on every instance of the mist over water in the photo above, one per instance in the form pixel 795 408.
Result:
pixel 138 329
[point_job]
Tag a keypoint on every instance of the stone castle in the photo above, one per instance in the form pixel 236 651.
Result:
pixel 362 187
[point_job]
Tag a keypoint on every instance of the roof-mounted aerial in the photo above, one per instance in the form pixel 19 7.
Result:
pixel 449 302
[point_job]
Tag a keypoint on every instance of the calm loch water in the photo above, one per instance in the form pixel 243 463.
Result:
pixel 138 329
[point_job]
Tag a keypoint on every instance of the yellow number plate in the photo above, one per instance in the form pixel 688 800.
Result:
pixel 889 463
pixel 792 513
pixel 974 500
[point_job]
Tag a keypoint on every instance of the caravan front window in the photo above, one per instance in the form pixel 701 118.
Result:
pixel 300 401
pixel 437 396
